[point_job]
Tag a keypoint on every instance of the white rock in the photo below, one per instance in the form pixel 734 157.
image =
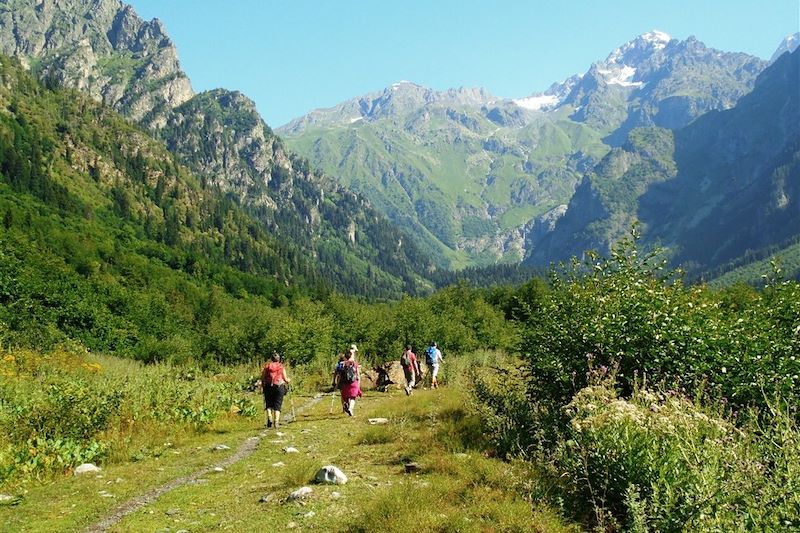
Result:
pixel 278 464
pixel 6 497
pixel 291 449
pixel 375 421
pixel 220 447
pixel 87 468
pixel 280 433
pixel 301 493
pixel 330 474
pixel 291 525
pixel 335 495
pixel 218 469
pixel 306 431
pixel 310 514
pixel 105 494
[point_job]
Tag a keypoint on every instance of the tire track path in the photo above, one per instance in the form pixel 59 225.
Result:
pixel 245 449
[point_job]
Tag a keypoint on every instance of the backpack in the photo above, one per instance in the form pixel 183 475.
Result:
pixel 271 374
pixel 349 372
pixel 430 355
pixel 405 359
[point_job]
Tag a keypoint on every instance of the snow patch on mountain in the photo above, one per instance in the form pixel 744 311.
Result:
pixel 619 76
pixel 537 102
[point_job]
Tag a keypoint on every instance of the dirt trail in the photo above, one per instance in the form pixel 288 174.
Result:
pixel 246 448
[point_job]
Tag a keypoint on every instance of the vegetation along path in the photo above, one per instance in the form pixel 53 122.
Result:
pixel 454 485
pixel 246 448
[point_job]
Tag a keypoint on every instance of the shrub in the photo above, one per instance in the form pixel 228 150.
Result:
pixel 660 461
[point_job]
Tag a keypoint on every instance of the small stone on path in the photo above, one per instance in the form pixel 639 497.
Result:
pixel 330 474
pixel 291 525
pixel 218 469
pixel 376 421
pixel 291 449
pixel 299 494
pixel 280 434
pixel 266 498
pixel 220 447
pixel 86 468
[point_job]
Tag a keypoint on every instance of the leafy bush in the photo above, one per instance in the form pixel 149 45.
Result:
pixel 661 462
pixel 626 312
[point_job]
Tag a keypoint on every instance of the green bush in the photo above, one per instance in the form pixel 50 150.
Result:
pixel 663 463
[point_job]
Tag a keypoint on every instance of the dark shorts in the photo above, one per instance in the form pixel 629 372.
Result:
pixel 273 397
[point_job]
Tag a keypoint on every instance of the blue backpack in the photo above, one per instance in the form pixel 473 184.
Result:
pixel 430 355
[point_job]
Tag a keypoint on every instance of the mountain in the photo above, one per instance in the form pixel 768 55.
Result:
pixel 722 187
pixel 481 179
pixel 100 47
pixel 103 48
pixel 789 44
pixel 463 170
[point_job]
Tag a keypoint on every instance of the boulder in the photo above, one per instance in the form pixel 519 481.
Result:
pixel 382 377
pixel 330 474
pixel 369 379
pixel 86 468
pixel 301 493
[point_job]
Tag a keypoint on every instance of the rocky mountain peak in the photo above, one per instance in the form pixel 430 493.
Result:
pixel 639 49
pixel 101 47
pixel 789 44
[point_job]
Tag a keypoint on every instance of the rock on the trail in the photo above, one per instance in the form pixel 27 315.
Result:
pixel 278 464
pixel 266 498
pixel 387 375
pixel 280 434
pixel 377 421
pixel 220 447
pixel 330 474
pixel 105 494
pixel 6 497
pixel 87 468
pixel 291 525
pixel 335 495
pixel 291 449
pixel 411 468
pixel 301 493
pixel 218 469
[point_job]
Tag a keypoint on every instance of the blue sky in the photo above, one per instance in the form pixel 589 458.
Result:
pixel 292 56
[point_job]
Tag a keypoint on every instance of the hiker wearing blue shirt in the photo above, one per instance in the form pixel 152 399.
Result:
pixel 433 357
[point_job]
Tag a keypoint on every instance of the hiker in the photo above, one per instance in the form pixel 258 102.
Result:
pixel 410 368
pixel 348 379
pixel 274 382
pixel 336 371
pixel 433 357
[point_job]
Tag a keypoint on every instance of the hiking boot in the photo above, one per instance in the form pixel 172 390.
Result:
pixel 269 424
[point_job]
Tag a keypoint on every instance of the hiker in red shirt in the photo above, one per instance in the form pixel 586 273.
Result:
pixel 274 384
pixel 410 368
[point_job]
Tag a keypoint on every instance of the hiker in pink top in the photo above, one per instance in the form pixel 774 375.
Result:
pixel 348 379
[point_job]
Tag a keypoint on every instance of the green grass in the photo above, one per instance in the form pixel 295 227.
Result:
pixel 457 488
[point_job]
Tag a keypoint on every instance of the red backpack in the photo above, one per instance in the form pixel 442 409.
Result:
pixel 272 374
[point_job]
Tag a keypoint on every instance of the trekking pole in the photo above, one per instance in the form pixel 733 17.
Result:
pixel 333 399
